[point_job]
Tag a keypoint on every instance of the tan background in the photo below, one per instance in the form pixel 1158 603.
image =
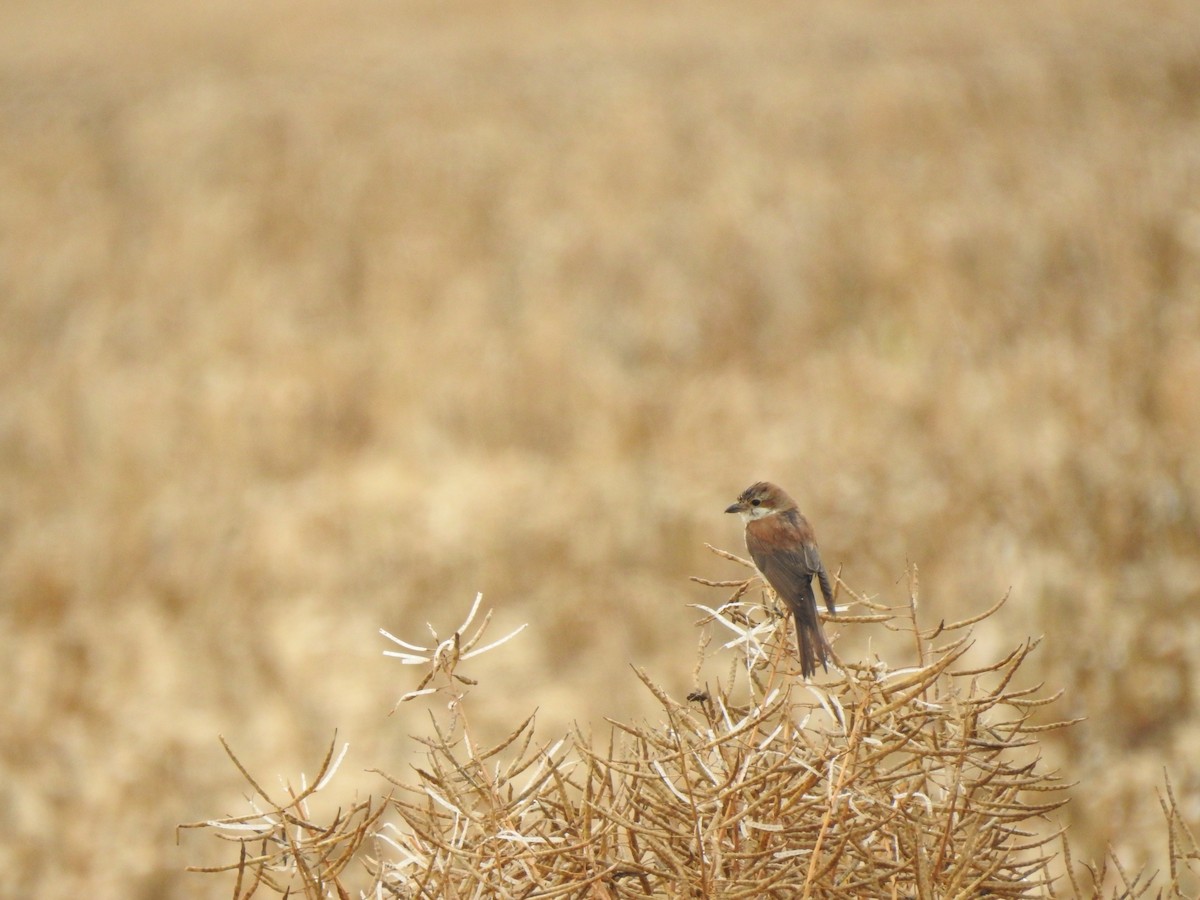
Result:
pixel 316 318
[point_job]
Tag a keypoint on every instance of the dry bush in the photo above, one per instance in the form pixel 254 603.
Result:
pixel 921 781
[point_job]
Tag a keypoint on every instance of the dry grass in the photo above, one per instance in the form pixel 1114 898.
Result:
pixel 312 318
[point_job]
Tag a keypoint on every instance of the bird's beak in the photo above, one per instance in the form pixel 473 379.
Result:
pixel 736 508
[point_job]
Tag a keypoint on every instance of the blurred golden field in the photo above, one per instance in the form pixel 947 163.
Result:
pixel 317 318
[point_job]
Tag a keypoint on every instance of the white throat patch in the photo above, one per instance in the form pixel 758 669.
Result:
pixel 750 513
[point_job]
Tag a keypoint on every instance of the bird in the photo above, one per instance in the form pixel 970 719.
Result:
pixel 784 549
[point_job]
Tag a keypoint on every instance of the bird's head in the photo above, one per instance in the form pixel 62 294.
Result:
pixel 761 499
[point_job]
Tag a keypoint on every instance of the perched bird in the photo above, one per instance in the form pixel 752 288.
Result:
pixel 784 548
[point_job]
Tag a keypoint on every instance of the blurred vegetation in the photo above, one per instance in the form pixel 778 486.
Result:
pixel 314 318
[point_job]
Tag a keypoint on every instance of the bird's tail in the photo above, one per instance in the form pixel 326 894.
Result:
pixel 810 639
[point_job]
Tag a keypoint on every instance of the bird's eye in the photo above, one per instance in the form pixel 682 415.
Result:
pixel 755 502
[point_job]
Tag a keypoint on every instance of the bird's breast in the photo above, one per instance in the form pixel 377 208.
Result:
pixel 780 530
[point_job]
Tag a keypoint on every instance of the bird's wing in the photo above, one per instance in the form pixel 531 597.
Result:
pixel 790 571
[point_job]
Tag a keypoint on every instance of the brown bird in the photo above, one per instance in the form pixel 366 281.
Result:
pixel 784 548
